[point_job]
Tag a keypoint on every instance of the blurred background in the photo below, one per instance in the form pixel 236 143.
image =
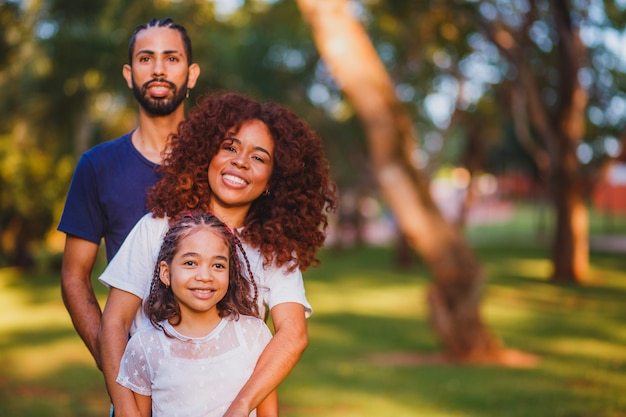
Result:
pixel 506 122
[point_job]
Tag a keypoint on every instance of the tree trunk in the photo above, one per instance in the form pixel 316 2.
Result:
pixel 570 251
pixel 560 129
pixel 454 296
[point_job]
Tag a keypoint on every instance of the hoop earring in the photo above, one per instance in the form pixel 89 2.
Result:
pixel 266 192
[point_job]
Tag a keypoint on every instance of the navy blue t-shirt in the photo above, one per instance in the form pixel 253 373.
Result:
pixel 108 193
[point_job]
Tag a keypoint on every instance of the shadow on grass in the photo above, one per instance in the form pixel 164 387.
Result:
pixel 337 369
pixel 47 372
pixel 40 337
pixel 39 285
pixel 74 390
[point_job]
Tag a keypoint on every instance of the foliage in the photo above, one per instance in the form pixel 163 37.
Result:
pixel 445 47
pixel 60 65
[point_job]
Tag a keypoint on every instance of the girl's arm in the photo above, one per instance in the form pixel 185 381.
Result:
pixel 144 403
pixel 269 406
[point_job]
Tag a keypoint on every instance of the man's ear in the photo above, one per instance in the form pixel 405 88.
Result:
pixel 194 73
pixel 127 73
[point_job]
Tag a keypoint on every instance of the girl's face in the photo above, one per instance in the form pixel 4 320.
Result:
pixel 198 274
pixel 240 171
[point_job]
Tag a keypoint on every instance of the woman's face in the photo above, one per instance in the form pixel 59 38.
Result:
pixel 241 169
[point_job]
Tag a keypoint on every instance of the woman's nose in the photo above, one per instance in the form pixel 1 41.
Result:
pixel 240 161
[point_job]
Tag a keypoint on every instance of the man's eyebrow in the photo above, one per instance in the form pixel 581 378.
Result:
pixel 151 52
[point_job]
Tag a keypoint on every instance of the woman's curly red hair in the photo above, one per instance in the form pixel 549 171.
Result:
pixel 289 224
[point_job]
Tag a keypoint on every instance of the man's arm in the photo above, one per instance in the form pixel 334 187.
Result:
pixel 279 357
pixel 119 311
pixel 78 295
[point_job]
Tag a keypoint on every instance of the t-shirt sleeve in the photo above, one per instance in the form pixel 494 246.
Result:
pixel 82 215
pixel 132 268
pixel 134 371
pixel 283 286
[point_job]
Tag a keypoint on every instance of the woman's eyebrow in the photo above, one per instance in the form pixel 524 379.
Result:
pixel 258 148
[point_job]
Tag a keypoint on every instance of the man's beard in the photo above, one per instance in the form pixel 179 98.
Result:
pixel 159 106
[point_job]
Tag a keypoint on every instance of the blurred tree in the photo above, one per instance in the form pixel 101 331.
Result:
pixel 455 293
pixel 550 84
pixel 471 70
pixel 548 73
pixel 28 184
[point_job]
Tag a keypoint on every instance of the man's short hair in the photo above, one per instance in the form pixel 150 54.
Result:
pixel 165 22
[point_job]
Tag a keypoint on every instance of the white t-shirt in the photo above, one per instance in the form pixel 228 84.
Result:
pixel 131 270
pixel 193 376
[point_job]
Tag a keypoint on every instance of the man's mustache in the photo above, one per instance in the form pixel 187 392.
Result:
pixel 160 81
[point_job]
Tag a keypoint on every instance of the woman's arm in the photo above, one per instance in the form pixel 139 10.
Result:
pixel 269 406
pixel 279 357
pixel 144 403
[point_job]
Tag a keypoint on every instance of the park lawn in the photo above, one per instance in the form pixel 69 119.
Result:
pixel 369 316
pixel 369 323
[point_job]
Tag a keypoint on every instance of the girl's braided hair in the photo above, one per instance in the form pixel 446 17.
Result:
pixel 161 303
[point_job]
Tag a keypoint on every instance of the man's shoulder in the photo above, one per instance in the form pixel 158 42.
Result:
pixel 111 148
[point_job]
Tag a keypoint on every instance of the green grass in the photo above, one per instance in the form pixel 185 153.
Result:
pixel 364 309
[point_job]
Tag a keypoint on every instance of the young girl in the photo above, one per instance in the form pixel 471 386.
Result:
pixel 261 170
pixel 205 340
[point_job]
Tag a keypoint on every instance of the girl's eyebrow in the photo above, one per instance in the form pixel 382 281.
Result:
pixel 194 254
pixel 258 148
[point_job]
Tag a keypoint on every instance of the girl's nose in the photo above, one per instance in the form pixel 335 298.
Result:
pixel 204 274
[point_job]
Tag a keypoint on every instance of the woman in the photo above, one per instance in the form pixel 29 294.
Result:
pixel 261 170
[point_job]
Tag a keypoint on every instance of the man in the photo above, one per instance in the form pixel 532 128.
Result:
pixel 107 197
pixel 108 190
